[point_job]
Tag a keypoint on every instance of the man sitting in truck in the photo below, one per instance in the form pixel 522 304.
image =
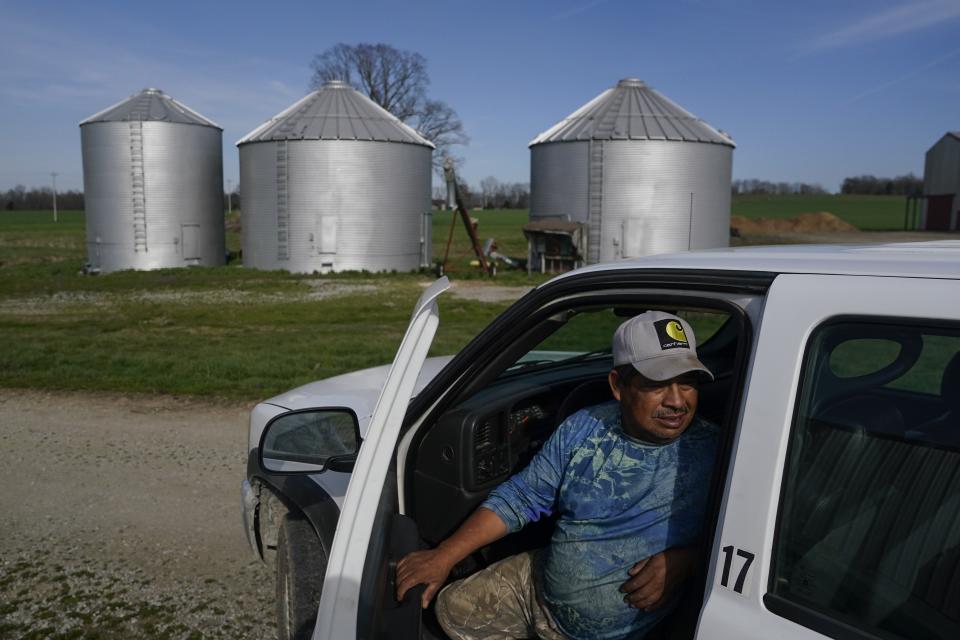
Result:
pixel 629 481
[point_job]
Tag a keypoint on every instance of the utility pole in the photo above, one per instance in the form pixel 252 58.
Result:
pixel 229 197
pixel 54 175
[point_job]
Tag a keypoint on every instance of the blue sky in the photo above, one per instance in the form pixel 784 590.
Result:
pixel 811 91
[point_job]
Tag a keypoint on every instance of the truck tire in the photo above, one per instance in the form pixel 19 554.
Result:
pixel 301 564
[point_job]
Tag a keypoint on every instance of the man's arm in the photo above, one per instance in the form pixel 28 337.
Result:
pixel 655 579
pixel 433 566
pixel 526 496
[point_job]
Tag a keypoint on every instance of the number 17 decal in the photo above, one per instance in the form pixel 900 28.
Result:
pixel 727 565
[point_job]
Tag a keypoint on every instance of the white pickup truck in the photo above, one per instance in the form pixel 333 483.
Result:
pixel 835 508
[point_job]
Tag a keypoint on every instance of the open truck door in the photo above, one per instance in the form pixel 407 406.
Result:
pixel 361 555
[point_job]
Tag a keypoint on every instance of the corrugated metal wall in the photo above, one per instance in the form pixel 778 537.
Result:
pixel 153 190
pixel 335 205
pixel 647 187
pixel 941 172
pixel 635 194
pixel 644 174
pixel 941 176
pixel 559 181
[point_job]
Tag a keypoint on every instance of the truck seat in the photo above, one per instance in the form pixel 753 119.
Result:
pixel 945 428
pixel 877 525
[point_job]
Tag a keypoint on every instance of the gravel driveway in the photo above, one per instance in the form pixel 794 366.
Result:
pixel 121 519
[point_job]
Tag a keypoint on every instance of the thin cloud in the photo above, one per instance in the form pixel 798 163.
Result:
pixel 88 75
pixel 575 11
pixel 49 71
pixel 285 90
pixel 898 20
pixel 907 76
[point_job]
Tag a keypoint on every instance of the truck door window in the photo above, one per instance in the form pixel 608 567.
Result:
pixel 587 334
pixel 868 535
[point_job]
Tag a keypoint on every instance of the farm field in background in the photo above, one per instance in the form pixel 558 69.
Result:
pixel 28 238
pixel 867 213
pixel 244 334
pixel 504 225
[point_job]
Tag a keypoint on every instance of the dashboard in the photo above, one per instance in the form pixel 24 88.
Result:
pixel 501 439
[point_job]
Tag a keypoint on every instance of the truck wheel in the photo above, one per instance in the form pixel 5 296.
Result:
pixel 301 564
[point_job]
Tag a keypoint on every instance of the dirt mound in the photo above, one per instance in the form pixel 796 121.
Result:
pixel 803 223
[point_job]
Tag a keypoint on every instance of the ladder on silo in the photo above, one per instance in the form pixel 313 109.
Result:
pixel 606 123
pixel 137 191
pixel 283 215
pixel 595 200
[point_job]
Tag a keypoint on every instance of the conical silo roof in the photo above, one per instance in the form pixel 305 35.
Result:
pixel 151 105
pixel 631 110
pixel 336 111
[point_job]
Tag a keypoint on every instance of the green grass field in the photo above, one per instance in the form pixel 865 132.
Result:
pixel 226 332
pixel 504 225
pixel 867 213
pixel 244 334
pixel 33 238
pixel 243 340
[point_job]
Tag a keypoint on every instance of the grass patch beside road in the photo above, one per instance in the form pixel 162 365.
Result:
pixel 227 331
pixel 227 341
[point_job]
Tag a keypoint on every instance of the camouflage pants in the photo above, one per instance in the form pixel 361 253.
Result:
pixel 497 603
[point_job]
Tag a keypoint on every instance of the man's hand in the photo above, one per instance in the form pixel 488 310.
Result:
pixel 655 579
pixel 432 567
pixel 423 567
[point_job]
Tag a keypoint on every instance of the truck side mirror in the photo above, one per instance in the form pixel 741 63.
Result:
pixel 310 441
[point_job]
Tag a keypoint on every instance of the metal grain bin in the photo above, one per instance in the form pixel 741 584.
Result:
pixel 643 174
pixel 941 185
pixel 335 183
pixel 153 181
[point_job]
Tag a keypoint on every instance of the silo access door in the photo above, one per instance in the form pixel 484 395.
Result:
pixel 325 239
pixel 190 242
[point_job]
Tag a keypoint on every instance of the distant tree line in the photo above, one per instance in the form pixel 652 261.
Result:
pixel 754 187
pixel 234 196
pixel 490 194
pixel 38 198
pixel 494 194
pixel 41 198
pixel 908 185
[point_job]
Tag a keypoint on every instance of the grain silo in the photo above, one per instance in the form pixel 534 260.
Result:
pixel 638 173
pixel 941 185
pixel 153 182
pixel 335 183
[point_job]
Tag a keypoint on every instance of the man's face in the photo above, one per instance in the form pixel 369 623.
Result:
pixel 656 411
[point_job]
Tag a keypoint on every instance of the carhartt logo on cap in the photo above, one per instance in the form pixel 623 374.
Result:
pixel 671 334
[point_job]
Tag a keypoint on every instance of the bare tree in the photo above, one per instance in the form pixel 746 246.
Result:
pixel 488 188
pixel 519 195
pixel 20 198
pixel 397 81
pixel 438 123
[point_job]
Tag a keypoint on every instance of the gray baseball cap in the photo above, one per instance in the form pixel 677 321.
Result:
pixel 659 345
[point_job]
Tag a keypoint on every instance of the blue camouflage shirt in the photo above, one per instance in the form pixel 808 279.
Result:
pixel 619 500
